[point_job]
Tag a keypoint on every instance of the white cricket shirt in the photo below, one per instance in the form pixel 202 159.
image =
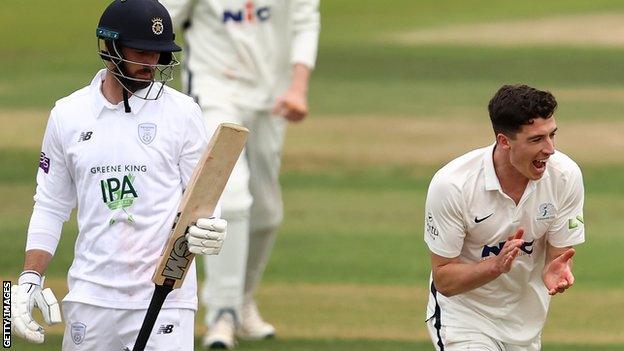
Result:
pixel 243 51
pixel 126 173
pixel 468 215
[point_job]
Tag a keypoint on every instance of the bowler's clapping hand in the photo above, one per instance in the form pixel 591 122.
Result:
pixel 557 274
pixel 206 236
pixel 509 252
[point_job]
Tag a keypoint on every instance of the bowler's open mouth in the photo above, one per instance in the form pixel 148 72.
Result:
pixel 540 165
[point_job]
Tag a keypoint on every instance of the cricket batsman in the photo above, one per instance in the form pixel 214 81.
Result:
pixel 121 150
pixel 248 62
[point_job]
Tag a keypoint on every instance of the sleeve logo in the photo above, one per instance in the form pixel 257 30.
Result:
pixel 44 162
pixel 573 223
pixel 430 226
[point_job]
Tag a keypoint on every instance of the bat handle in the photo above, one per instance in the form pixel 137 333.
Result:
pixel 158 298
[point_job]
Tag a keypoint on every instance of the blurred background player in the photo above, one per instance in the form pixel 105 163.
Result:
pixel 248 62
pixel 122 149
pixel 500 223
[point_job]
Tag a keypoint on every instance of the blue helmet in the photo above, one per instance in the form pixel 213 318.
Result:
pixel 141 25
pixel 138 24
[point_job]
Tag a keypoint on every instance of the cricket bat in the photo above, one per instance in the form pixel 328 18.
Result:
pixel 198 201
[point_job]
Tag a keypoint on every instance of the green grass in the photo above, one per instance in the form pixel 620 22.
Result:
pixel 52 342
pixel 438 81
pixel 348 21
pixel 21 165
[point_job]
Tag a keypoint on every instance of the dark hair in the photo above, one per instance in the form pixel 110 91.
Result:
pixel 516 105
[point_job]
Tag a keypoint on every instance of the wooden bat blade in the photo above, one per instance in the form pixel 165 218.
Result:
pixel 199 200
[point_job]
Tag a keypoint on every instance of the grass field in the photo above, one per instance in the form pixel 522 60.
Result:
pixel 349 271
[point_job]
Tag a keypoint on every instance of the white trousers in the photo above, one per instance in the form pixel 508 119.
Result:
pixel 252 205
pixel 95 328
pixel 447 338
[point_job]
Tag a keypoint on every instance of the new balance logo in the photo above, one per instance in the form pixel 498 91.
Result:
pixel 165 329
pixel 84 136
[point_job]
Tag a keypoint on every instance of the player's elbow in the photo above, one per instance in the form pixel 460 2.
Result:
pixel 444 285
pixel 446 290
pixel 446 275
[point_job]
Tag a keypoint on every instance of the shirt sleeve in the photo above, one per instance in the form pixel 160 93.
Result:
pixel 55 196
pixel 306 27
pixel 179 10
pixel 195 141
pixel 569 227
pixel 444 226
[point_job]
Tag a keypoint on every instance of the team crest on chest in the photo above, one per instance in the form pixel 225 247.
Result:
pixel 78 331
pixel 545 211
pixel 147 132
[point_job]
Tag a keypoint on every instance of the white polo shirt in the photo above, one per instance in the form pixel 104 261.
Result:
pixel 126 173
pixel 243 51
pixel 468 215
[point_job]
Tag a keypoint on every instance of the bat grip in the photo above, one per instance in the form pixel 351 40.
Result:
pixel 158 298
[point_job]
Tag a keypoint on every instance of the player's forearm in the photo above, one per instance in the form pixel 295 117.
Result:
pixel 458 277
pixel 554 252
pixel 300 78
pixel 37 260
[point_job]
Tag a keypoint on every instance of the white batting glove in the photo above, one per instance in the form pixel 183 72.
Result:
pixel 206 236
pixel 24 296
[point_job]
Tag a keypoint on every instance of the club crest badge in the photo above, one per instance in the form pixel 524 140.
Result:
pixel 545 211
pixel 78 331
pixel 157 25
pixel 147 132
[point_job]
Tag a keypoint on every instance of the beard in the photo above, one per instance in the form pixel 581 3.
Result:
pixel 131 83
pixel 134 85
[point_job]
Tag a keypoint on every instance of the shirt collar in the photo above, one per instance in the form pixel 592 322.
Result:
pixel 491 180
pixel 100 102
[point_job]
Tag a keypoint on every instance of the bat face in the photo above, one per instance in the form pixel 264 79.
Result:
pixel 199 200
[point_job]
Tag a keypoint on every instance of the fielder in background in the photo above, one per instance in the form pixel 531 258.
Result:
pixel 500 223
pixel 248 62
pixel 122 149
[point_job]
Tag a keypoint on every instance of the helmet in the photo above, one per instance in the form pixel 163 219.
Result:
pixel 142 25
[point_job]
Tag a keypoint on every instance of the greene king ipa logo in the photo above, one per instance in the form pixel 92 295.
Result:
pixel 119 193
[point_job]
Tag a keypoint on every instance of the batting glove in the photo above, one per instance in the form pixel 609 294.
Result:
pixel 206 236
pixel 24 296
